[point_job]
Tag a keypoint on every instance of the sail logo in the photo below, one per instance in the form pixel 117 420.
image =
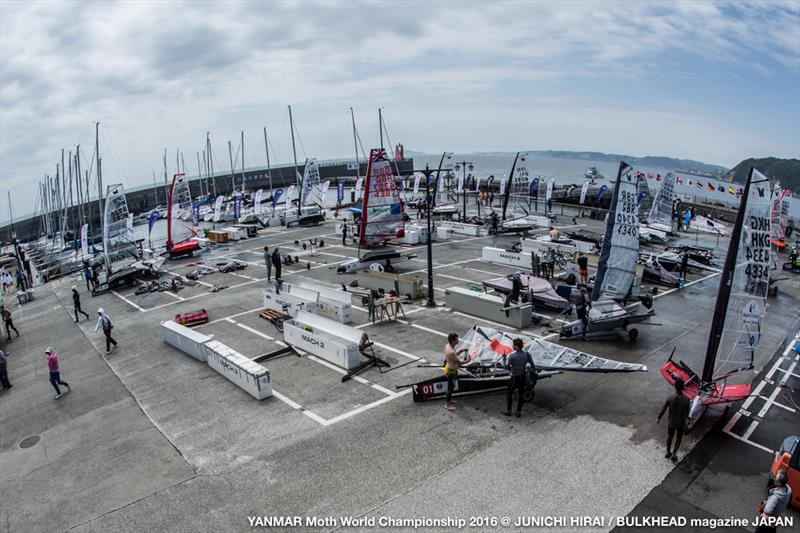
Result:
pixel 760 192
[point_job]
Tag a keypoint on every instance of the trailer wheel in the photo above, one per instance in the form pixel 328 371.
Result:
pixel 633 334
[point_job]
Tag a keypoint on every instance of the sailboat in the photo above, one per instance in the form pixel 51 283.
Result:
pixel 381 216
pixel 485 371
pixel 517 185
pixel 616 278
pixel 120 251
pixel 662 211
pixel 739 311
pixel 179 207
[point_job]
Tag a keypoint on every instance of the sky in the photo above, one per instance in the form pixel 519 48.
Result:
pixel 713 81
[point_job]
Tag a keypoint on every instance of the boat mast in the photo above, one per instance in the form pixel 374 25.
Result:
pixel 380 125
pixel 508 185
pixel 605 250
pixel 230 155
pixel 166 188
pixel 242 161
pixel 211 163
pixel 296 173
pixel 269 168
pixel 99 172
pixel 199 173
pixel 724 292
pixel 355 144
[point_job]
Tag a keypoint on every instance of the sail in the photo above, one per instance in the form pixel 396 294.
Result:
pixel 517 185
pixel 382 210
pixel 487 346
pixel 179 210
pixel 661 210
pixel 118 243
pixel 741 299
pixel 644 197
pixel 620 251
pixel 312 193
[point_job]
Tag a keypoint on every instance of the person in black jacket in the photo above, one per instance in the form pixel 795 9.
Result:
pixel 516 291
pixel 276 262
pixel 678 406
pixel 76 304
pixel 517 364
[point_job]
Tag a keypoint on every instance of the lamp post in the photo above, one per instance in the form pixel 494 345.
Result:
pixel 462 165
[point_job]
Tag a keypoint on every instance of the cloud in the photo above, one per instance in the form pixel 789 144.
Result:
pixel 643 77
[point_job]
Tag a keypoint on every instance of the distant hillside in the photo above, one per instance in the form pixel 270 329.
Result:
pixel 786 171
pixel 683 165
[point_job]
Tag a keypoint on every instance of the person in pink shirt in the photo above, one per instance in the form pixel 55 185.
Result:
pixel 55 372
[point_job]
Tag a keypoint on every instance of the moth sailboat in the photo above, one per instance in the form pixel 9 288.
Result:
pixel 616 278
pixel 179 208
pixel 381 217
pixel 739 311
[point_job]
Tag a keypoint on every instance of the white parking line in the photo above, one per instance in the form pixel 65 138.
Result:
pixel 124 299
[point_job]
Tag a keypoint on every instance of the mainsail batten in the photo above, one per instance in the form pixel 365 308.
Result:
pixel 620 249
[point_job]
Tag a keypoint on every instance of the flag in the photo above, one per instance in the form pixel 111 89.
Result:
pixel 85 239
pixel 642 196
pixel 416 183
pixel 257 201
pixel 699 184
pixel 289 193
pixel 477 183
pixel 710 187
pixel 151 221
pixel 721 189
pixel 534 187
pixel 237 206
pixel 650 176
pixel 584 188
pixel 600 194
pixel 129 226
pixel 276 196
pixel 359 182
pixel 325 186
pixel 196 213
pixel 339 191
pixel 549 193
pixel 731 190
pixel 678 180
pixel 689 183
pixel 217 208
pixel 460 186
pixel 658 177
pixel 784 193
pixel 503 185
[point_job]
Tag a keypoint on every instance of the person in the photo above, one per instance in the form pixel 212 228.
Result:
pixel 4 372
pixel 583 269
pixel 276 262
pixel 268 262
pixel 451 365
pixel 684 267
pixel 87 273
pixel 582 308
pixel 516 290
pixel 8 321
pixel 775 506
pixel 554 234
pixel 20 280
pixel 517 363
pixel 104 321
pixel 494 223
pixel 55 372
pixel 535 262
pixel 95 280
pixel 344 233
pixel 76 304
pixel 678 406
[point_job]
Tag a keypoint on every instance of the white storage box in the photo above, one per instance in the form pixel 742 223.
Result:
pixel 185 339
pixel 325 338
pixel 332 303
pixel 288 301
pixel 247 374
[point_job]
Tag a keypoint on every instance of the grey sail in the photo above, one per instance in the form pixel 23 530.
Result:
pixel 661 210
pixel 617 266
pixel 118 240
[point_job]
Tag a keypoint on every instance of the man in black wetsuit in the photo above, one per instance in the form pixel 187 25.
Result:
pixel 76 303
pixel 582 308
pixel 516 290
pixel 517 364
pixel 678 406
pixel 276 262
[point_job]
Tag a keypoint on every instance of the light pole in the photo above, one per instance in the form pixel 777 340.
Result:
pixel 462 165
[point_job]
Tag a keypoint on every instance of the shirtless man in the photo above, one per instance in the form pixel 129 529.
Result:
pixel 451 365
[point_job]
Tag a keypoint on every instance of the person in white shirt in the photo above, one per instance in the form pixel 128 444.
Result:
pixel 104 321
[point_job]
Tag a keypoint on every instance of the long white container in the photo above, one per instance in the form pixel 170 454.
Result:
pixel 332 303
pixel 460 228
pixel 544 243
pixel 325 338
pixel 185 339
pixel 235 234
pixel 504 257
pixel 411 236
pixel 290 302
pixel 247 374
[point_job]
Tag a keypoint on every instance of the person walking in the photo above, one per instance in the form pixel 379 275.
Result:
pixel 583 269
pixel 344 233
pixel 678 406
pixel 268 262
pixel 76 304
pixel 8 322
pixel 4 372
pixel 775 506
pixel 451 365
pixel 55 372
pixel 87 273
pixel 104 321
pixel 517 363
pixel 582 308
pixel 276 262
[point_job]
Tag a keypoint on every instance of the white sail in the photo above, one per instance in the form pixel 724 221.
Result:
pixel 312 188
pixel 661 210
pixel 620 250
pixel 117 242
pixel 748 289
pixel 180 210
